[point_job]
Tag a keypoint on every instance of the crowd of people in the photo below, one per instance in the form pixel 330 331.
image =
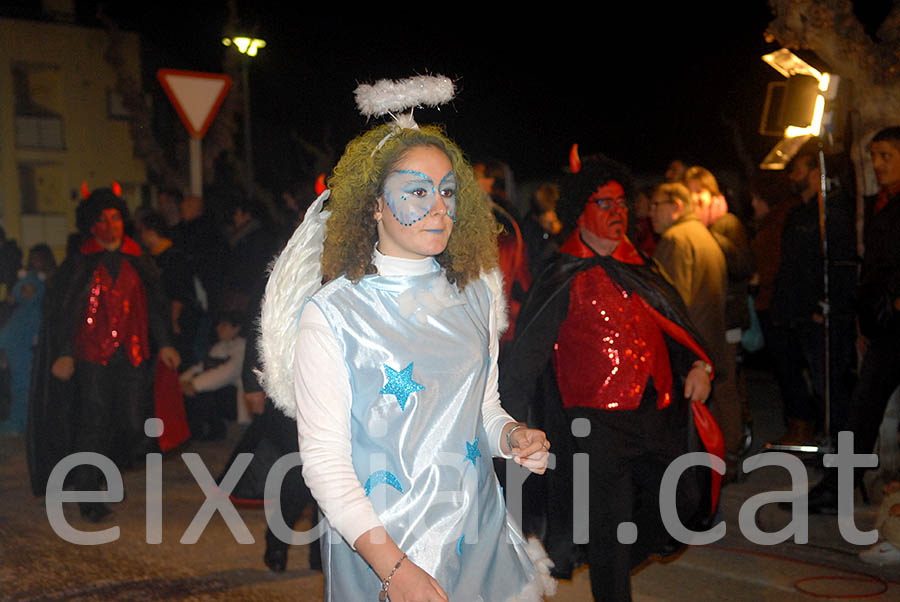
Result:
pixel 442 316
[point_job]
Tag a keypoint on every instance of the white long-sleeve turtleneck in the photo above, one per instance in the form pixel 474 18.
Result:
pixel 322 387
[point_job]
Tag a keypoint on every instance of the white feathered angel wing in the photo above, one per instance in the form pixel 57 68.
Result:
pixel 499 309
pixel 295 275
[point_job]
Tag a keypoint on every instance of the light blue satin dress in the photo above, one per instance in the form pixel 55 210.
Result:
pixel 418 365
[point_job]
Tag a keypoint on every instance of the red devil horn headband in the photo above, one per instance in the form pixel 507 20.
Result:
pixel 320 184
pixel 574 159
pixel 86 192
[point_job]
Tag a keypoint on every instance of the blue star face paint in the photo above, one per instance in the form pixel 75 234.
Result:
pixel 411 195
pixel 417 204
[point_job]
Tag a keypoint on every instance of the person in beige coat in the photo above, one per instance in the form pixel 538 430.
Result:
pixel 692 260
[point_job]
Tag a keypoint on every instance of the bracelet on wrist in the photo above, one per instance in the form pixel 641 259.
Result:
pixel 519 425
pixel 382 595
pixel 703 366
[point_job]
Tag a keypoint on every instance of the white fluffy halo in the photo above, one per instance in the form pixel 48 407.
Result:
pixel 388 96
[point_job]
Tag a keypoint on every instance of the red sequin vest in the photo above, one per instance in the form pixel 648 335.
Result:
pixel 116 315
pixel 608 346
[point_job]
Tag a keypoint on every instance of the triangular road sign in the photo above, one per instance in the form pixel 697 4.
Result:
pixel 196 96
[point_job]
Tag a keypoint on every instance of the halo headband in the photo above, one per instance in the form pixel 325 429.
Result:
pixel 389 97
pixel 386 97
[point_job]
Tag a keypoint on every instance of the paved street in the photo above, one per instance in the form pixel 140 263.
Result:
pixel 38 565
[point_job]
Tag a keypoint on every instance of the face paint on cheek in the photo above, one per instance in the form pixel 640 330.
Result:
pixel 103 232
pixel 109 228
pixel 410 195
pixel 447 190
pixel 610 222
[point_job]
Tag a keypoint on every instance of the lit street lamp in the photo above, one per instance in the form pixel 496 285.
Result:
pixel 248 47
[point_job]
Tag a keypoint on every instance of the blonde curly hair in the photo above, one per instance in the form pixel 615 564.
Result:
pixel 358 181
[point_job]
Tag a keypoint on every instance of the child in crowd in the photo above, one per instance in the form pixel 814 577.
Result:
pixel 212 388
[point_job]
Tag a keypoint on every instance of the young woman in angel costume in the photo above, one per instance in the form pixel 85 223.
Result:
pixel 391 370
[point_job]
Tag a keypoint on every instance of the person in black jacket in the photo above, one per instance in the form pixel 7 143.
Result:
pixel 252 243
pixel 270 436
pixel 878 305
pixel 798 297
pixel 178 275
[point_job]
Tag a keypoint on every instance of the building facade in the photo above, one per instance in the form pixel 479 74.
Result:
pixel 61 124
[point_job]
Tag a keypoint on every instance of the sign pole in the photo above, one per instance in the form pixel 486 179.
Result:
pixel 196 166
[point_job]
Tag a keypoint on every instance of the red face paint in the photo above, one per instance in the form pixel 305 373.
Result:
pixel 606 215
pixel 109 229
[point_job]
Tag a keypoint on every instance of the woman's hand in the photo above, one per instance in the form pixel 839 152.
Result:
pixel 409 582
pixel 530 449
pixel 412 584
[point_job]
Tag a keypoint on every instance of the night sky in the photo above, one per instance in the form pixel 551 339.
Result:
pixel 642 84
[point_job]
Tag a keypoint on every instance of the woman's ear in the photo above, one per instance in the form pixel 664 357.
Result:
pixel 380 210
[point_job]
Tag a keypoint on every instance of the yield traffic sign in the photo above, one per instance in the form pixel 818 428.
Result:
pixel 196 96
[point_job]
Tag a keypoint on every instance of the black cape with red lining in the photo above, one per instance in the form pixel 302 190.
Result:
pixel 529 391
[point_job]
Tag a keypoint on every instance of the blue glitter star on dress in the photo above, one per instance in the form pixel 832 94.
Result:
pixel 472 451
pixel 400 384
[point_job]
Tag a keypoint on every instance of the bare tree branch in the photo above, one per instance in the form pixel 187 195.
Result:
pixel 889 31
pixel 831 29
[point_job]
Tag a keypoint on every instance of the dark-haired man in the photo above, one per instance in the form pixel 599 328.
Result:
pixel 604 339
pixel 798 302
pixel 878 304
pixel 179 281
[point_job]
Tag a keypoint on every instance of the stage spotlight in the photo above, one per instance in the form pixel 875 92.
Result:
pixel 796 109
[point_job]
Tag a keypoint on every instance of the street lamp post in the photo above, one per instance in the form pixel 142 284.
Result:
pixel 247 47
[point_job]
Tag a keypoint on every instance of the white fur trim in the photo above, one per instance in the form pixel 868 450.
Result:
pixel 494 280
pixel 294 276
pixel 389 96
pixel 543 583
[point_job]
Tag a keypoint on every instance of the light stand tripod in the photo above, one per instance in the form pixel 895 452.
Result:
pixel 826 446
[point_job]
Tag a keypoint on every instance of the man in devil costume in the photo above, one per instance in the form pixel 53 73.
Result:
pixel 93 379
pixel 604 337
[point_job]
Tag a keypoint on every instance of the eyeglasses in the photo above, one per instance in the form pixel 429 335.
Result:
pixel 607 204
